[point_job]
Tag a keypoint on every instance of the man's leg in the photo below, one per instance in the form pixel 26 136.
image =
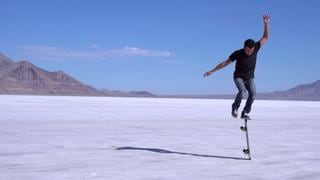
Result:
pixel 251 87
pixel 241 91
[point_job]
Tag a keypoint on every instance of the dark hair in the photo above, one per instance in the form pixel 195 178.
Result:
pixel 249 43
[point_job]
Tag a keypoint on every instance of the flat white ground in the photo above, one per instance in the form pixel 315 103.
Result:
pixel 43 137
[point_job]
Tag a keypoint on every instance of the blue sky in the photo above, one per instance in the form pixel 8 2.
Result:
pixel 163 46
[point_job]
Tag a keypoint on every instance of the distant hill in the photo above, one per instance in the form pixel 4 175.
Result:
pixel 25 78
pixel 305 92
pixel 117 93
pixel 308 92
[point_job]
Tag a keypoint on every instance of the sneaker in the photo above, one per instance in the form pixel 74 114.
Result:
pixel 234 112
pixel 244 115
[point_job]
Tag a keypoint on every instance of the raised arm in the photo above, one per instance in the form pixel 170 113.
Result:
pixel 219 66
pixel 265 37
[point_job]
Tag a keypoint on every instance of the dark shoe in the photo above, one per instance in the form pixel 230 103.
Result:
pixel 244 115
pixel 234 112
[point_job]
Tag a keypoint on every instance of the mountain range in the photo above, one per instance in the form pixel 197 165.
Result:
pixel 26 78
pixel 305 92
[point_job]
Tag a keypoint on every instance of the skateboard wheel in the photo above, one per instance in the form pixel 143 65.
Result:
pixel 246 151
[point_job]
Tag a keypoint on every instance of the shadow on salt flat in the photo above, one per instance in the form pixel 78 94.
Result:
pixel 163 151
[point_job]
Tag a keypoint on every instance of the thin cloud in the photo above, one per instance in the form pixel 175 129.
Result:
pixel 93 53
pixel 94 46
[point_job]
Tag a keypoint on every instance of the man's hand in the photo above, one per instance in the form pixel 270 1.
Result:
pixel 207 73
pixel 266 19
pixel 265 37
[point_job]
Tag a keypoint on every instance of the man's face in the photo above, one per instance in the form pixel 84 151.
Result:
pixel 248 50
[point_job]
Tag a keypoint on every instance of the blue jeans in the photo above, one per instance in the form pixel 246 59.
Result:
pixel 243 86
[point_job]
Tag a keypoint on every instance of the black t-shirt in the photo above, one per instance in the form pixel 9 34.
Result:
pixel 245 64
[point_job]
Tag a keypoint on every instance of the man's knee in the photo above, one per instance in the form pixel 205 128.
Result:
pixel 242 93
pixel 252 94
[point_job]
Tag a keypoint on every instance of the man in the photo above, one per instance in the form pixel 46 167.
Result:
pixel 244 73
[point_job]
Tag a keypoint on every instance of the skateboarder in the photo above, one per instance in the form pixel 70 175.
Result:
pixel 244 73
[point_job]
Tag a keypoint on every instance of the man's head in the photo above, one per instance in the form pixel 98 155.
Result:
pixel 249 45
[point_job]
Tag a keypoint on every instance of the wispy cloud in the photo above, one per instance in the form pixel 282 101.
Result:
pixel 94 46
pixel 94 52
